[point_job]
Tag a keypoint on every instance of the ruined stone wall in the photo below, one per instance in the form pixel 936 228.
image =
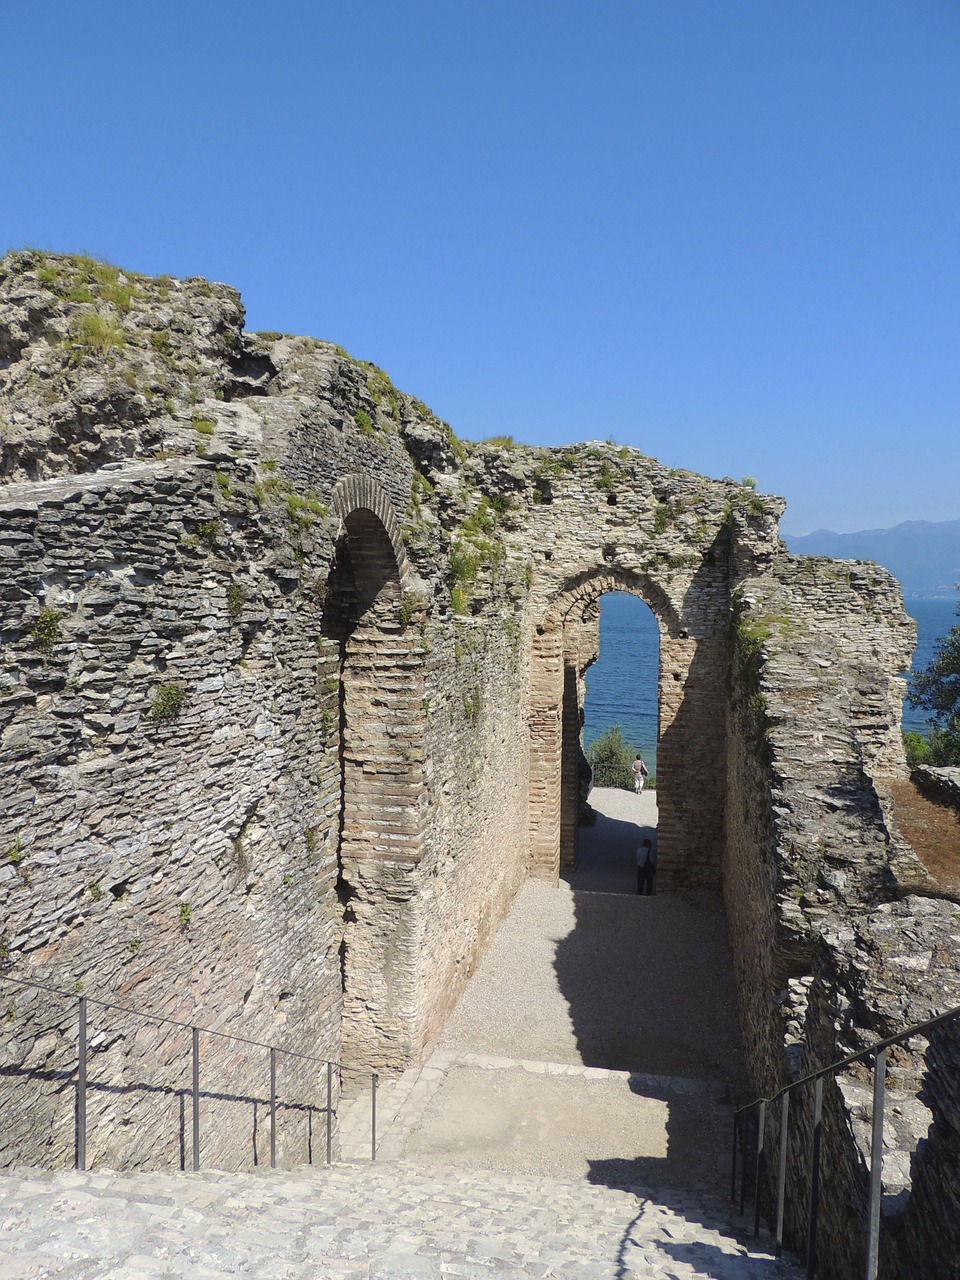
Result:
pixel 172 703
pixel 828 957
pixel 941 785
pixel 165 763
pixel 608 519
pixel 290 700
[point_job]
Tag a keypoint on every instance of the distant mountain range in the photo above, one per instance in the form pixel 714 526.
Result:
pixel 923 555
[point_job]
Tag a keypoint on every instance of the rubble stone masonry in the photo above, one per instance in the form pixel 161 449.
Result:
pixel 291 686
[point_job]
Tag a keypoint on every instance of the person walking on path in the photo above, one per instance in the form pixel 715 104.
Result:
pixel 639 773
pixel 646 868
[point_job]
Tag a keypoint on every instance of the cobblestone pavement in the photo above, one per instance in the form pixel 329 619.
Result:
pixel 361 1222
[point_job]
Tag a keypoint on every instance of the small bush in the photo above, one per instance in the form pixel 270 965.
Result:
pixel 204 425
pixel 605 477
pixel 45 632
pixel 208 531
pixel 168 702
pixel 364 422
pixel 304 510
pixel 941 750
pixel 186 913
pixel 611 759
pixel 411 605
pixel 662 517
pixel 120 295
pixel 235 600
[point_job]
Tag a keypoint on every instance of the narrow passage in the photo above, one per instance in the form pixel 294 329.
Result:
pixel 597 1039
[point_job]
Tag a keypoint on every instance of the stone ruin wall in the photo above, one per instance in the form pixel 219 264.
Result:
pixel 205 541
pixel 267 525
pixel 840 937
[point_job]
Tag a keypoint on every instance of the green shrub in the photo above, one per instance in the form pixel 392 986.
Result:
pixel 941 749
pixel 204 425
pixel 611 759
pixel 45 632
pixel 662 517
pixel 208 530
pixel 364 422
pixel 120 295
pixel 605 477
pixel 463 563
pixel 168 702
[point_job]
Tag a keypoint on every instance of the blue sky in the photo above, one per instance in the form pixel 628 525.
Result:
pixel 724 231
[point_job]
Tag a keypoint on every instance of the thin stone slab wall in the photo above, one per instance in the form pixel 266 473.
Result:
pixel 165 761
pixel 839 935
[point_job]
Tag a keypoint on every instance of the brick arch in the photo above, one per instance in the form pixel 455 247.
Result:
pixel 561 652
pixel 382 758
pixel 587 590
pixel 360 498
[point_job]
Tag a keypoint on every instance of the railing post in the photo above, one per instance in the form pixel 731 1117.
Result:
pixel 758 1167
pixel 733 1162
pixel 814 1179
pixel 82 1084
pixel 782 1168
pixel 273 1108
pixel 329 1113
pixel 196 1098
pixel 373 1116
pixel 743 1163
pixel 876 1165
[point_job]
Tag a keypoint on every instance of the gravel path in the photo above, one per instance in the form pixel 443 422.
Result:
pixel 598 1038
pixel 607 979
pixel 608 849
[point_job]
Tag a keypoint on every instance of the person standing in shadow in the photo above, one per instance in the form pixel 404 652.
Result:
pixel 646 868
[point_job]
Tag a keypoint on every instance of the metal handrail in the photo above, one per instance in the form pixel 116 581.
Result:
pixel 156 1017
pixel 878 1053
pixel 196 1032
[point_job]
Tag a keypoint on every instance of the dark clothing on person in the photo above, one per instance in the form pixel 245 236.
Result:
pixel 646 868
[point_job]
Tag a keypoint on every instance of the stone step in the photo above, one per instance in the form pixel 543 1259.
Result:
pixel 372 1221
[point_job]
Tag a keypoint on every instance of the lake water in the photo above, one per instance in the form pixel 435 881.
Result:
pixel 622 683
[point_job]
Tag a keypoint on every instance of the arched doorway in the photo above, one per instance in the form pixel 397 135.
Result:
pixel 383 796
pixel 620 706
pixel 691 746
